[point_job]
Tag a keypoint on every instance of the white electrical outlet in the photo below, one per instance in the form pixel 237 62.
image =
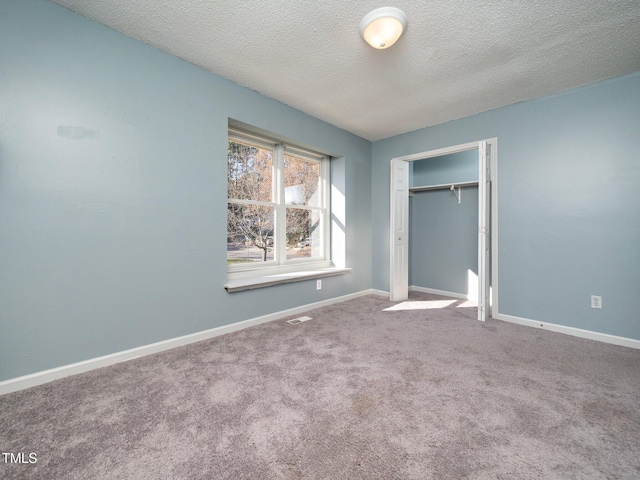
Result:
pixel 319 285
pixel 596 301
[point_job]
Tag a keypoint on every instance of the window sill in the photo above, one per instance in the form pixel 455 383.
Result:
pixel 278 279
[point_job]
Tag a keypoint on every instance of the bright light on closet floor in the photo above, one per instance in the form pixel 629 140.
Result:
pixel 431 304
pixel 420 305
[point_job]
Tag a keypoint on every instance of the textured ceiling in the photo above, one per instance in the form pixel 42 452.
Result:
pixel 457 58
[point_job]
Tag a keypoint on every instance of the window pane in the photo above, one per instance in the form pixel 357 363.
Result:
pixel 249 172
pixel 301 181
pixel 249 233
pixel 304 235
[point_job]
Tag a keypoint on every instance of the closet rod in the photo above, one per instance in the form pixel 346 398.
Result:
pixel 442 186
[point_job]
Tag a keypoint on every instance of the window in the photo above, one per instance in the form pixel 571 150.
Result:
pixel 277 206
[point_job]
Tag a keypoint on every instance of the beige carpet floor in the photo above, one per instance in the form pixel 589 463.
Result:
pixel 367 389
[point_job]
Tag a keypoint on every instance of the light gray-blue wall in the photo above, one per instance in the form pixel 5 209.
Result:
pixel 113 193
pixel 113 196
pixel 568 205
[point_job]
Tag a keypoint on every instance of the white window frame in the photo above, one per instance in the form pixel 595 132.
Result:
pixel 280 264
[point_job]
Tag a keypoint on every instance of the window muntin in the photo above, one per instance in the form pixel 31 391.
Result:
pixel 277 205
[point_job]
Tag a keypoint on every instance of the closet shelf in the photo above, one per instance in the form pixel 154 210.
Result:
pixel 443 186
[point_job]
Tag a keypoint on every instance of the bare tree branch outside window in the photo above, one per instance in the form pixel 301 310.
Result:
pixel 251 212
pixel 250 177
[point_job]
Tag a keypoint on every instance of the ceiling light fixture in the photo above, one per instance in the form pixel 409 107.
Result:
pixel 382 27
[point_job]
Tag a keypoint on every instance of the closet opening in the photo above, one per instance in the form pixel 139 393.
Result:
pixel 441 205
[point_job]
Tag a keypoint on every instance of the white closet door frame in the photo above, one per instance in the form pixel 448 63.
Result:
pixel 487 196
pixel 484 192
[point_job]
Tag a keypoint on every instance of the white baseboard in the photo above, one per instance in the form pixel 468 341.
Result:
pixel 45 376
pixel 552 327
pixel 576 332
pixel 444 293
pixel 38 378
pixel 380 293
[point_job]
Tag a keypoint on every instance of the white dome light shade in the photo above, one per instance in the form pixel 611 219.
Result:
pixel 382 27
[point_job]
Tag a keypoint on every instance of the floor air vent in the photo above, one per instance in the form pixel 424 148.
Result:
pixel 295 321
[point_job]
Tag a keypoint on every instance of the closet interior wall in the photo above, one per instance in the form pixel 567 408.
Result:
pixel 443 239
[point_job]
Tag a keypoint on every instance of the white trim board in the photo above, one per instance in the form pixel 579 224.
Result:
pixel 241 284
pixel 552 327
pixel 380 293
pixel 443 293
pixel 45 376
pixel 575 332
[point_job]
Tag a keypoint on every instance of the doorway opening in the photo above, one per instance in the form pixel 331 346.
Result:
pixel 401 188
